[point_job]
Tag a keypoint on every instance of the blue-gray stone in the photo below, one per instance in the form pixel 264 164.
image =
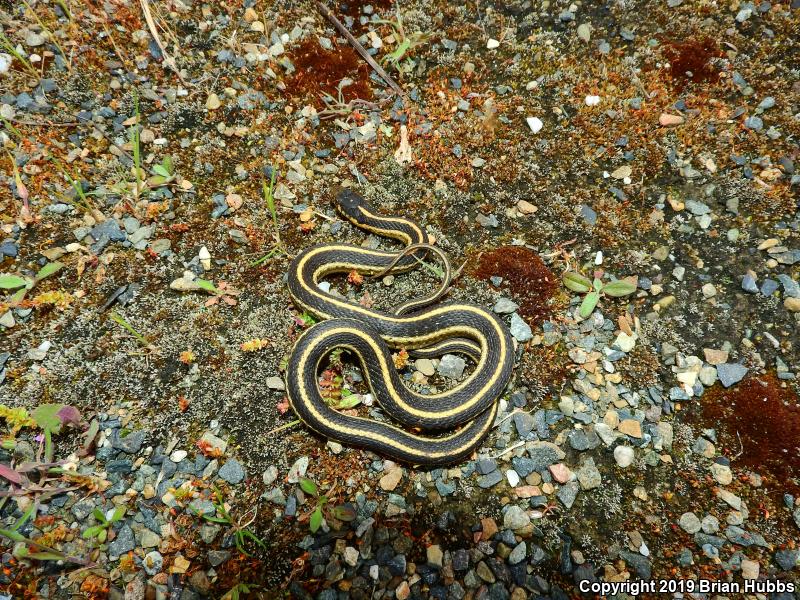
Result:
pixel 524 423
pixel 579 440
pixel 217 557
pixel 520 329
pixel 749 284
pixel 124 542
pixel 589 215
pixel 754 123
pixel 703 539
pixel 492 479
pixel 685 558
pixel 232 472
pixel 737 535
pixel 787 559
pixel 568 492
pixel 638 562
pixel 790 286
pixel 767 103
pixel 445 489
pixel 769 287
pixel 523 466
pixel 484 466
pixel 119 466
pixel 788 258
pixel 730 373
pixel 131 443
pixel 108 228
pixel 9 248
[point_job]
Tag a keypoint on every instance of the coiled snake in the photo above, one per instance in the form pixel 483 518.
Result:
pixel 368 334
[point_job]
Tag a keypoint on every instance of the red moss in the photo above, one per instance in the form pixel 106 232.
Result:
pixel 319 71
pixel 691 60
pixel 526 277
pixel 765 412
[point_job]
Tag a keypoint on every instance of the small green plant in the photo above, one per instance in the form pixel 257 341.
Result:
pixel 342 512
pixel 23 544
pixel 24 284
pixel 595 288
pixel 105 521
pixel 241 533
pixel 7 45
pixel 405 44
pixel 162 173
pixel 50 35
pixel 239 588
pixel 134 134
pixel 119 320
pixel 50 418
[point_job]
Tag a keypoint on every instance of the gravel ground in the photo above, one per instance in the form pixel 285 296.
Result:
pixel 619 181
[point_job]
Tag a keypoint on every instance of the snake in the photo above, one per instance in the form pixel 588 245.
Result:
pixel 432 429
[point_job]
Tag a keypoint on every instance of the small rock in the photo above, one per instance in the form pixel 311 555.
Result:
pixel 451 366
pixel 232 472
pixel 434 555
pixel 624 456
pixel 213 102
pixel 730 373
pixel 504 306
pixel 389 481
pixel 515 518
pixel 667 120
pixel 153 562
pixel 275 383
pixel 298 469
pixel 715 357
pixel 535 123
pixel 631 427
pixel 518 554
pixel 425 366
pixel 689 523
pixel 791 304
pixel 520 329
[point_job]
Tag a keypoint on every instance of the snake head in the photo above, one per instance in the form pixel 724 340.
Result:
pixel 350 203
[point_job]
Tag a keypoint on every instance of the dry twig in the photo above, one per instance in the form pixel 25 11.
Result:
pixel 151 25
pixel 361 50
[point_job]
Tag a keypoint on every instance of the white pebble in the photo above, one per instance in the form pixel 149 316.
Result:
pixel 513 478
pixel 535 123
pixel 624 456
pixel 598 258
pixel 592 100
pixel 492 44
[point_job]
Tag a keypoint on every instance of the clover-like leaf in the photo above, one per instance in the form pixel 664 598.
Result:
pixel 589 303
pixel 46 417
pixel 621 287
pixel 92 532
pixel 12 282
pixel 308 486
pixel 576 282
pixel 316 520
pixel 205 284
pixel 48 270
pixel 69 414
pixel 348 401
pixel 161 170
pixel 345 512
pixel 118 513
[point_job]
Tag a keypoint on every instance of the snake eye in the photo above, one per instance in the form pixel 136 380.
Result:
pixel 349 203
